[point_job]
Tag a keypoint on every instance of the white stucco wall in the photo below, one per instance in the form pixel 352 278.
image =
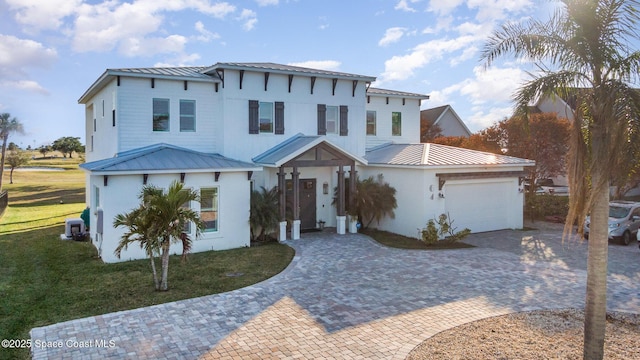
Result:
pixel 300 111
pixel 418 197
pixel 136 115
pixel 410 120
pixel 102 139
pixel 121 195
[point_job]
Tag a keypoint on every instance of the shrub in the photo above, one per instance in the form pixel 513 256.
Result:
pixel 540 206
pixel 444 230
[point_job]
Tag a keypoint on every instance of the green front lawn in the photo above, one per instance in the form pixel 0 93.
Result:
pixel 45 280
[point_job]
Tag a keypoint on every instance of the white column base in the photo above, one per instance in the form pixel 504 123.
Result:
pixel 295 231
pixel 341 224
pixel 282 234
pixel 353 224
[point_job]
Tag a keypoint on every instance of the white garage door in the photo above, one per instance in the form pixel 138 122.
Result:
pixel 479 206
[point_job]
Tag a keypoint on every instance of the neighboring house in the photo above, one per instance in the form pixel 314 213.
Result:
pixel 232 127
pixel 447 119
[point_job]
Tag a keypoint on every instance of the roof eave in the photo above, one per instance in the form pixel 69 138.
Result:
pixel 170 171
pixel 301 71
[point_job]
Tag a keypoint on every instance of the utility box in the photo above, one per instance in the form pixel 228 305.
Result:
pixel 73 226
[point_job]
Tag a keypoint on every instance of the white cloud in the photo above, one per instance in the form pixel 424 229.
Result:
pixel 155 45
pixel 492 10
pixel 205 35
pixel 267 2
pixel 180 60
pixel 16 56
pixel 330 65
pixel 492 85
pixel 404 5
pixel 250 19
pixel 444 7
pixel 19 53
pixel 482 119
pixel 392 35
pixel 43 15
pixel 403 67
pixel 27 85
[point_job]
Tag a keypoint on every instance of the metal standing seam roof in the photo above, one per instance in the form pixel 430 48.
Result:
pixel 165 157
pixel 295 146
pixel 181 72
pixel 386 92
pixel 437 155
pixel 273 67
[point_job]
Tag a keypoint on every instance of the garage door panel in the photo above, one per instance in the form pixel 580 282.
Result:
pixel 480 206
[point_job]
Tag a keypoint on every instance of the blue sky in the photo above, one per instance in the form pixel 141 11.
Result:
pixel 51 51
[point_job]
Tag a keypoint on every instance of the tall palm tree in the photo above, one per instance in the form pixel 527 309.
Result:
pixel 158 222
pixel 8 126
pixel 583 53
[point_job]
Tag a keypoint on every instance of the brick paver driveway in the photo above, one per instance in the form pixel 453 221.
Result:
pixel 346 297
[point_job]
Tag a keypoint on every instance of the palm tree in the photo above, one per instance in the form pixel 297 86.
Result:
pixel 159 221
pixel 8 126
pixel 583 53
pixel 264 214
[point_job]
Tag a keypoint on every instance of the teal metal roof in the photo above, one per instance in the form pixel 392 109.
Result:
pixel 164 157
pixel 437 155
pixel 295 146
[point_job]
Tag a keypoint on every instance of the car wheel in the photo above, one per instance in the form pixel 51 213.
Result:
pixel 626 238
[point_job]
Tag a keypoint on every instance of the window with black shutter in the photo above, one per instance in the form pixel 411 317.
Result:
pixel 279 118
pixel 254 127
pixel 344 120
pixel 322 119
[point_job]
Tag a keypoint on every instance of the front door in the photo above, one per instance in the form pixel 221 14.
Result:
pixel 307 202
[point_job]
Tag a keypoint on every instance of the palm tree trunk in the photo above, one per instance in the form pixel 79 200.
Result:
pixel 156 281
pixel 164 286
pixel 596 296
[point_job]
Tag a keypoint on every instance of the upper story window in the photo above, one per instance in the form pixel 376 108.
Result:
pixel 266 117
pixel 371 122
pixel 396 123
pixel 160 114
pixel 187 115
pixel 332 121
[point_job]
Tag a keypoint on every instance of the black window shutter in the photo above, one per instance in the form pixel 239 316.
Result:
pixel 279 121
pixel 344 120
pixel 322 119
pixel 254 126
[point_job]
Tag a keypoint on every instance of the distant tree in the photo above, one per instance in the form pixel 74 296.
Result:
pixel 67 145
pixel 44 150
pixel 12 146
pixel 429 131
pixel 479 141
pixel 540 137
pixel 8 126
pixel 16 159
pixel 29 147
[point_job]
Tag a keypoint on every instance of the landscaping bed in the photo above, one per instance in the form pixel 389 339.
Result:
pixel 403 242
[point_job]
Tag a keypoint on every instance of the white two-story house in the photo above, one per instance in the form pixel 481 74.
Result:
pixel 232 127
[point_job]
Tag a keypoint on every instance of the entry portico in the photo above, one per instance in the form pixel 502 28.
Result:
pixel 306 159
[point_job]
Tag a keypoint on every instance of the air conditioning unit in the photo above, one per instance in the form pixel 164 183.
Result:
pixel 73 226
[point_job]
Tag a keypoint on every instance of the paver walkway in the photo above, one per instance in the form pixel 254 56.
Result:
pixel 346 297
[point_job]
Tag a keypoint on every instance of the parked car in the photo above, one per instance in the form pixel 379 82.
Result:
pixel 624 221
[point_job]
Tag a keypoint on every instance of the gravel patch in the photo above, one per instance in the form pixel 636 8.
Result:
pixel 542 334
